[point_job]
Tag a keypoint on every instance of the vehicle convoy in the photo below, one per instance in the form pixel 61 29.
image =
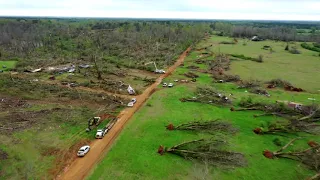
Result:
pixel 83 151
pixel 101 133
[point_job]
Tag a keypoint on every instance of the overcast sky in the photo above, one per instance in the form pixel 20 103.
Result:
pixel 187 9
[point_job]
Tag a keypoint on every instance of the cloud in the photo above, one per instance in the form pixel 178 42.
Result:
pixel 195 9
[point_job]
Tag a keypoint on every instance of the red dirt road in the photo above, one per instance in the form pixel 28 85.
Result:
pixel 81 167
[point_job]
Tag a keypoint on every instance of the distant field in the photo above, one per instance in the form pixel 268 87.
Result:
pixel 134 155
pixel 300 69
pixel 9 65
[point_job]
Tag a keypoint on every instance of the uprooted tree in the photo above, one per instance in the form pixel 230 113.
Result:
pixel 211 127
pixel 206 150
pixel 310 157
pixel 303 119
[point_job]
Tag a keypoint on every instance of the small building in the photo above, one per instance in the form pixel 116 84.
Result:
pixel 256 38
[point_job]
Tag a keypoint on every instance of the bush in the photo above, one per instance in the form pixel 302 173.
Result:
pixel 315 47
pixel 241 56
pixel 227 42
pixel 294 51
pixel 260 58
pixel 287 47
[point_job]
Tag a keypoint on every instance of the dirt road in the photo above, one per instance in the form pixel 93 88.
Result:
pixel 80 168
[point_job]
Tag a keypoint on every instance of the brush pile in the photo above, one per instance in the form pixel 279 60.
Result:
pixel 208 95
pixel 210 127
pixel 259 91
pixel 191 75
pixel 207 150
pixel 249 84
pixel 283 84
pixel 220 63
pixel 226 77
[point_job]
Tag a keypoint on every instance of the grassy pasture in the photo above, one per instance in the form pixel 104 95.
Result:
pixel 299 69
pixel 9 65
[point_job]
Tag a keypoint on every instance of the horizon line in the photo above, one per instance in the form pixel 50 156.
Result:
pixel 151 18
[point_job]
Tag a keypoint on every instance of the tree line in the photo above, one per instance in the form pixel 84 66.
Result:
pixel 54 40
pixel 280 32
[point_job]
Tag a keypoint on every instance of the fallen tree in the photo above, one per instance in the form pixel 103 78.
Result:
pixel 208 95
pixel 291 126
pixel 211 127
pixel 310 157
pixel 206 150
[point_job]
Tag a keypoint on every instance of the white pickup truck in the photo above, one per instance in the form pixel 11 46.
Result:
pixel 101 133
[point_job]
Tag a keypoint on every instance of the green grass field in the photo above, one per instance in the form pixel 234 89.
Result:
pixel 134 155
pixel 8 64
pixel 299 69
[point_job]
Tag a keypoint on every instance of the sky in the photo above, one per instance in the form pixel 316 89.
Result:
pixel 181 9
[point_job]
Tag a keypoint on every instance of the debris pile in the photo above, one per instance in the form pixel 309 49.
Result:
pixel 260 91
pixel 283 84
pixel 191 75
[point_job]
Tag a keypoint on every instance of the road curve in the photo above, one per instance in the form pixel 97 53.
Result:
pixel 81 167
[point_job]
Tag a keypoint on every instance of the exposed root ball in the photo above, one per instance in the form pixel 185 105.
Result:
pixel 313 144
pixel 161 150
pixel 257 131
pixel 170 127
pixel 268 154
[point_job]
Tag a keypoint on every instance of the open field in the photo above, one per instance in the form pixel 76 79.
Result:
pixel 134 155
pixel 299 69
pixel 8 64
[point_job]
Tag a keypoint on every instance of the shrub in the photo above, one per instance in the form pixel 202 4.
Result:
pixel 315 47
pixel 260 58
pixel 287 47
pixel 294 51
pixel 227 42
